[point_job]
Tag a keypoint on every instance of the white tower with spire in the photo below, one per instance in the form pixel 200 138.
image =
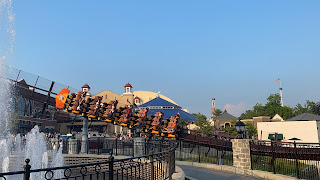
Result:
pixel 213 106
pixel 278 80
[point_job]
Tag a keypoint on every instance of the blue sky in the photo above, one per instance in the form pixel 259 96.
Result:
pixel 191 51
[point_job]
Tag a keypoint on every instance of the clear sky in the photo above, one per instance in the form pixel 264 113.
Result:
pixel 191 51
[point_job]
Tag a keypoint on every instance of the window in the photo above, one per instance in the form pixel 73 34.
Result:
pixel 226 125
pixel 127 89
pixel 48 115
pixel 21 106
pixel 13 104
pixel 137 101
pixel 28 108
pixel 35 114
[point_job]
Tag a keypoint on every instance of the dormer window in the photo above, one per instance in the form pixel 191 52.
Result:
pixel 137 100
pixel 128 89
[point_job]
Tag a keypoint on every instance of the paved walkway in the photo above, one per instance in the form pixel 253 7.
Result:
pixel 195 173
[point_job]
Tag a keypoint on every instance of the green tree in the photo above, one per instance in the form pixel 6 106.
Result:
pixel 182 123
pixel 202 123
pixel 231 130
pixel 217 112
pixel 258 110
pixel 250 129
pixel 273 105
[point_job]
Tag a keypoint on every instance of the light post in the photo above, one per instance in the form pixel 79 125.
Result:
pixel 240 127
pixel 296 154
pixel 138 130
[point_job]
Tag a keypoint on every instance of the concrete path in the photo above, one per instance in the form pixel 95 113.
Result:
pixel 195 173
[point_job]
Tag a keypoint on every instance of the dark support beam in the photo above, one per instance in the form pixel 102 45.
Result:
pixel 45 105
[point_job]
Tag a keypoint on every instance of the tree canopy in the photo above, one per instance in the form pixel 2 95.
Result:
pixel 217 112
pixel 273 107
pixel 203 124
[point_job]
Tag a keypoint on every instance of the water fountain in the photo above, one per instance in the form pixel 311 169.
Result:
pixel 15 149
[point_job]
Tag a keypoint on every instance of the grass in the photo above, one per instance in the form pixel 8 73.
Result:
pixel 209 159
pixel 282 165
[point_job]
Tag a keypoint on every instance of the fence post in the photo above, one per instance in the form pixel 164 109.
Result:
pixel 132 143
pixel 145 147
pixel 169 164
pixel 251 166
pixel 116 146
pixel 296 156
pixel 98 146
pixel 273 158
pixel 199 160
pixel 27 168
pixel 180 144
pixel 152 166
pixel 111 166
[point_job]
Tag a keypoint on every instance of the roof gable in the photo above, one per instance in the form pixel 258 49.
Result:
pixel 305 117
pixel 225 116
pixel 158 101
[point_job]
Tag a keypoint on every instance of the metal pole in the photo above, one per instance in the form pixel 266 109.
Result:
pixel 250 142
pixel 84 144
pixel 180 150
pixel 296 156
pixel 152 166
pixel 116 146
pixel 45 105
pixel 111 167
pixel 199 152
pixel 27 168
pixel 273 158
pixel 18 77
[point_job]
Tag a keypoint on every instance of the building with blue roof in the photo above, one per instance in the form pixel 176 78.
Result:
pixel 169 109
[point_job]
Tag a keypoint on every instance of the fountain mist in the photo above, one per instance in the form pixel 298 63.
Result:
pixel 15 150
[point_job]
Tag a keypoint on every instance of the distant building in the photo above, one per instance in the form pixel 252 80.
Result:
pixel 223 120
pixel 35 108
pixel 154 101
pixel 304 126
pixel 160 105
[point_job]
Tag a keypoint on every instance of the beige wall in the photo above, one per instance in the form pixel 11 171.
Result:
pixel 307 131
pixel 146 96
pixel 111 96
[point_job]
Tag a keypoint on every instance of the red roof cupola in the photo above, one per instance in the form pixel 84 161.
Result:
pixel 136 97
pixel 85 86
pixel 128 85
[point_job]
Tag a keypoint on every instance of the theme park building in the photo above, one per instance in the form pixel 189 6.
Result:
pixel 139 99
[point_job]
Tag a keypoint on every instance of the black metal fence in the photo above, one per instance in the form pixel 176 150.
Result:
pixel 214 151
pixel 119 147
pixel 156 166
pixel 301 160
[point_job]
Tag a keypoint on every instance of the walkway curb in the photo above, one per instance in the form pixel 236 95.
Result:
pixel 179 174
pixel 232 169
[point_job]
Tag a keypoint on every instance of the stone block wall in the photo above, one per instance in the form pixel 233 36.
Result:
pixel 241 153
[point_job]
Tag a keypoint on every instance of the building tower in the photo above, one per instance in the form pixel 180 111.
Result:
pixel 128 92
pixel 86 88
pixel 213 106
pixel 278 80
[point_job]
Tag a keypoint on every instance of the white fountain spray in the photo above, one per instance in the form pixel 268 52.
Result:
pixel 34 147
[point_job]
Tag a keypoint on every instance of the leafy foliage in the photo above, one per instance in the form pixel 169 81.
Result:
pixel 217 112
pixel 202 123
pixel 182 122
pixel 250 129
pixel 232 129
pixel 273 107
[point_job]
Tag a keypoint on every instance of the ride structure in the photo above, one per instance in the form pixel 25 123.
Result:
pixel 128 116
